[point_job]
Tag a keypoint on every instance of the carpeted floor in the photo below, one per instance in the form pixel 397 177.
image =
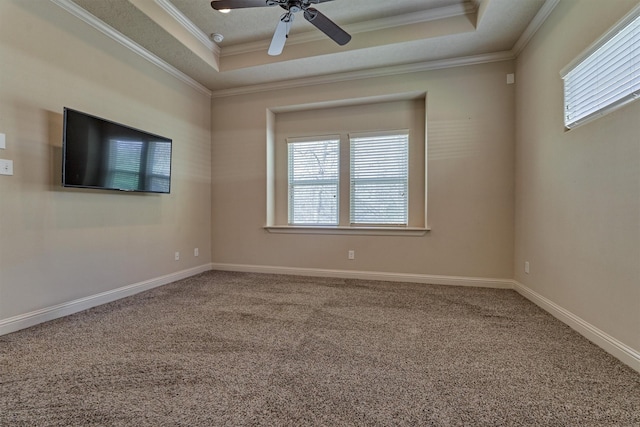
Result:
pixel 251 349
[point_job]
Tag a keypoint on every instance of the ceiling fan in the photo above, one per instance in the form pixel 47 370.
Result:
pixel 314 16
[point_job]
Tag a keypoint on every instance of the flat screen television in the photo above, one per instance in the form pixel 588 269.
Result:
pixel 100 154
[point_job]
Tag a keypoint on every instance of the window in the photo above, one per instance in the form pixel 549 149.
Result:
pixel 378 168
pixel 607 76
pixel 355 167
pixel 313 181
pixel 379 179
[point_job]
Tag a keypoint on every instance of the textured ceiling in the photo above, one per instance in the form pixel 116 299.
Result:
pixel 246 25
pixel 386 33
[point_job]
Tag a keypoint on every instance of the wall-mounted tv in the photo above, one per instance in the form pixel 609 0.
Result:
pixel 100 154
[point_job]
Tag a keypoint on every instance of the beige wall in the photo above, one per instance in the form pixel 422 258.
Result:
pixel 578 192
pixel 498 155
pixel 60 245
pixel 470 122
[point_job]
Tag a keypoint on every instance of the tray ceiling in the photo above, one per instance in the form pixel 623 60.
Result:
pixel 388 36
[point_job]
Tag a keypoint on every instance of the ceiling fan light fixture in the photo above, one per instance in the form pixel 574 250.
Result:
pixel 224 10
pixel 312 15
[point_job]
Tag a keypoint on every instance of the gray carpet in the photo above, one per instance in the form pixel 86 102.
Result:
pixel 250 349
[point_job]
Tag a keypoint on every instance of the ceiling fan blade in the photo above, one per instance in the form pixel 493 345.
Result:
pixel 239 4
pixel 280 35
pixel 327 26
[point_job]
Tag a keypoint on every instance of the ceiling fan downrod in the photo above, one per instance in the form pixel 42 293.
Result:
pixel 313 16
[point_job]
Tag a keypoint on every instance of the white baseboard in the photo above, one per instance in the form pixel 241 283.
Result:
pixel 621 351
pixel 26 320
pixel 617 349
pixel 370 275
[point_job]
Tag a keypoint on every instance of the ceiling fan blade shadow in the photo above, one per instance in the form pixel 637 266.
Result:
pixel 239 4
pixel 280 35
pixel 327 26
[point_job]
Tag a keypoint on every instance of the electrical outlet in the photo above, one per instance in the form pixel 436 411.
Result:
pixel 526 267
pixel 196 252
pixel 352 254
pixel 6 167
pixel 177 256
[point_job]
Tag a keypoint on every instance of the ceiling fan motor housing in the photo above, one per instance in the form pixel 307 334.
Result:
pixel 294 6
pixel 314 16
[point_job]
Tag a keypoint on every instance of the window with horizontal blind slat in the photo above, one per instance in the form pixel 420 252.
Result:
pixel 607 78
pixel 313 168
pixel 379 179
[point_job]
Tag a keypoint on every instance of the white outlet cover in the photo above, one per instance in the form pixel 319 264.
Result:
pixel 6 167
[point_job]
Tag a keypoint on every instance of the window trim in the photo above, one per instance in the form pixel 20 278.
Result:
pixel 275 204
pixel 586 54
pixel 351 229
pixel 348 230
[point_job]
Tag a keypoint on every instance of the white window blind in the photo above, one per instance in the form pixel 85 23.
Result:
pixel 379 179
pixel 606 78
pixel 313 181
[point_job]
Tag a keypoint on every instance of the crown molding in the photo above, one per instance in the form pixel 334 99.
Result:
pixel 188 25
pixel 439 13
pixel 534 25
pixel 518 47
pixel 112 33
pixel 361 27
pixel 413 18
pixel 368 73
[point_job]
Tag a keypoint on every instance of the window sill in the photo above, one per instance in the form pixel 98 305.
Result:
pixel 363 231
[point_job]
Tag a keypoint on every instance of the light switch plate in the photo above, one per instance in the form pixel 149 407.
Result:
pixel 6 167
pixel 3 141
